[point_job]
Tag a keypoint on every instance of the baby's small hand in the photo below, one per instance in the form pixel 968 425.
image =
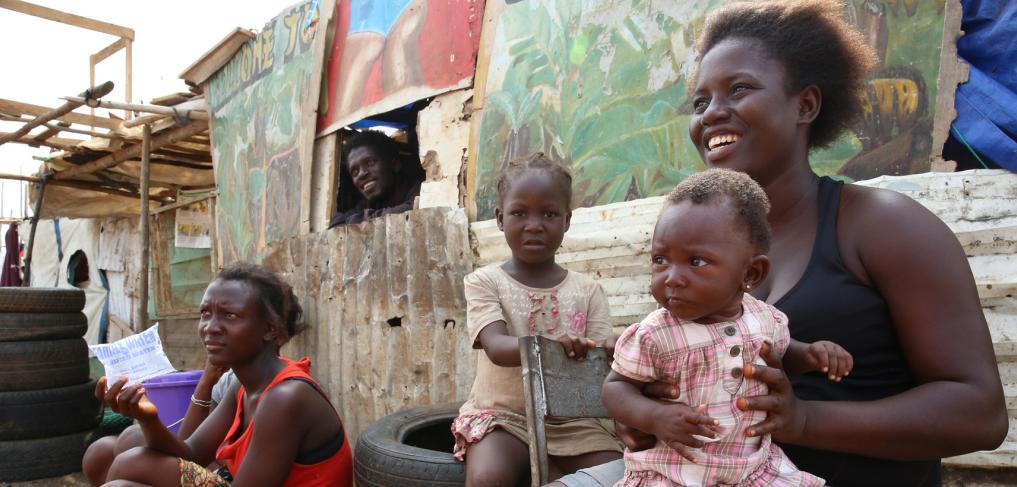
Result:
pixel 676 424
pixel 831 359
pixel 575 347
pixel 609 344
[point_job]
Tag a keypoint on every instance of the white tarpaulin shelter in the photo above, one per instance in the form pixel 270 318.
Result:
pixel 57 246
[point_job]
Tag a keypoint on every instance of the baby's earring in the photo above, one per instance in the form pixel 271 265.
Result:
pixel 748 287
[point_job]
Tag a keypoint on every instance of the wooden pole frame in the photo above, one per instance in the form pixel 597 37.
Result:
pixel 125 34
pixel 27 282
pixel 194 114
pixel 143 227
pixel 86 96
pixel 165 138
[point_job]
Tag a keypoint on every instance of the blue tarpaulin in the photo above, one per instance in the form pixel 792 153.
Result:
pixel 987 103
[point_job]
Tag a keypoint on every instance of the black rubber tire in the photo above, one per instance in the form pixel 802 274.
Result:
pixel 26 415
pixel 383 458
pixel 41 300
pixel 56 456
pixel 26 366
pixel 16 327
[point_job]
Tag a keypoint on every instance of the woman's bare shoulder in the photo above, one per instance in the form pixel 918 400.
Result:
pixel 884 217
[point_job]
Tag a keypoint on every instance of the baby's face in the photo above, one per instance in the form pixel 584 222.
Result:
pixel 699 261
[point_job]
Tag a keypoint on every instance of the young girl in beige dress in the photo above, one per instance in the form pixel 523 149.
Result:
pixel 528 295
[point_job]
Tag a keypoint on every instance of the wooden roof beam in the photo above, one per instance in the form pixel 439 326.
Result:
pixel 165 138
pixel 69 145
pixel 108 51
pixel 89 95
pixel 67 18
pixel 19 108
pixel 194 114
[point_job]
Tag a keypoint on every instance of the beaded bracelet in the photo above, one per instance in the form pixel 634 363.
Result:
pixel 201 403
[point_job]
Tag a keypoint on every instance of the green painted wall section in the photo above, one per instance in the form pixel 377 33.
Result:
pixel 601 86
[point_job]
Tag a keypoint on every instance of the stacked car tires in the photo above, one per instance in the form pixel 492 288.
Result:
pixel 47 403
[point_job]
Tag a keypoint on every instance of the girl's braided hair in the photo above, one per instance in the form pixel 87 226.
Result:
pixel 536 162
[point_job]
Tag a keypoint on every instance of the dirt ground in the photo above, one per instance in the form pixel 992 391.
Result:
pixel 72 480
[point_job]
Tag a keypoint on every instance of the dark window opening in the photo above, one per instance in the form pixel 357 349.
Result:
pixel 77 270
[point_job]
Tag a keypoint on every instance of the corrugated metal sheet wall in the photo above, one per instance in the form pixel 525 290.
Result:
pixel 386 308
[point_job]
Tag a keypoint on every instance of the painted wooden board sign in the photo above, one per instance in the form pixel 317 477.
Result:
pixel 261 140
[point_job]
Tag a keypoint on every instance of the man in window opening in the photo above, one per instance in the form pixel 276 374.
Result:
pixel 385 183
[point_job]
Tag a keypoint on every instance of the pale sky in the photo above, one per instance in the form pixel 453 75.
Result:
pixel 45 60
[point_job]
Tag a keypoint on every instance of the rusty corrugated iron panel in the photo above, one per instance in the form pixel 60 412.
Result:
pixel 354 282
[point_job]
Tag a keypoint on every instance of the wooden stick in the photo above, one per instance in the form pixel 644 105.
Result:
pixel 182 203
pixel 108 51
pixel 66 18
pixel 129 80
pixel 165 138
pixel 119 189
pixel 48 134
pixel 192 104
pixel 18 108
pixel 61 126
pixel 91 82
pixel 57 143
pixel 120 324
pixel 140 107
pixel 146 238
pixel 214 234
pixel 89 94
pixel 31 234
pixel 18 177
pixel 90 133
pixel 126 193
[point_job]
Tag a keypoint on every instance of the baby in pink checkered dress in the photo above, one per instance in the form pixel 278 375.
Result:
pixel 708 251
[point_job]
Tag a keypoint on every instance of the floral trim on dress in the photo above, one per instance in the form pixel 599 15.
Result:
pixel 537 306
pixel 470 428
pixel 579 323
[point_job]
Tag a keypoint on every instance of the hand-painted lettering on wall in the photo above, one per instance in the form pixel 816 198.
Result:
pixel 258 57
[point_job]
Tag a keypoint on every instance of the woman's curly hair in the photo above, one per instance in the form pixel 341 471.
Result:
pixel 816 45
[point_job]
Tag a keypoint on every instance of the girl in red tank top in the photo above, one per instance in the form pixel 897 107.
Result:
pixel 276 427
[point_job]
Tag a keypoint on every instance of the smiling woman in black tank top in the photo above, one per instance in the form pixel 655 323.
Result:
pixel 867 268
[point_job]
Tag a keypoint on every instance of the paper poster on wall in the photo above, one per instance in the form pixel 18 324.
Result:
pixel 193 228
pixel 390 53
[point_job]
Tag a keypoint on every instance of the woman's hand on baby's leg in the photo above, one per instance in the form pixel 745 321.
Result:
pixel 785 415
pixel 831 359
pixel 575 347
pixel 676 424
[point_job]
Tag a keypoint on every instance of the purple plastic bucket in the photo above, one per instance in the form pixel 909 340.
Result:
pixel 171 393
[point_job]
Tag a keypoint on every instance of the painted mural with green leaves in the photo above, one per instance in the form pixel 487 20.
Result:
pixel 257 100
pixel 601 85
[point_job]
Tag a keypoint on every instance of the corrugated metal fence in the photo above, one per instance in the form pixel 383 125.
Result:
pixel 385 300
